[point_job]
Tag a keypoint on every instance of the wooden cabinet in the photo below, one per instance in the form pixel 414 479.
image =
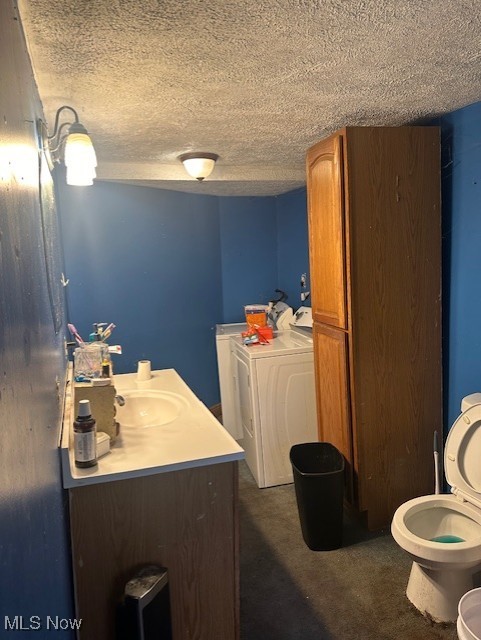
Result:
pixel 326 221
pixel 332 386
pixel 183 520
pixel 375 266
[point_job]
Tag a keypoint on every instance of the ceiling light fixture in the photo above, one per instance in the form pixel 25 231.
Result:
pixel 72 141
pixel 199 165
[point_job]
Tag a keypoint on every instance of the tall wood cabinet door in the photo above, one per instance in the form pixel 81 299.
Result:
pixel 326 232
pixel 332 387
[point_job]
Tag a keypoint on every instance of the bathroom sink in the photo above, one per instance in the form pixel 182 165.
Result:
pixel 149 408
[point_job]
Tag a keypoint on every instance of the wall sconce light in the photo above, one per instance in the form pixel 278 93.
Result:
pixel 72 141
pixel 199 165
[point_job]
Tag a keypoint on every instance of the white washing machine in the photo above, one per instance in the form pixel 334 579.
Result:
pixel 276 402
pixel 230 419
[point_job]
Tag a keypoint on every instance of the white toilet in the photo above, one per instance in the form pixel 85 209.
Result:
pixel 442 533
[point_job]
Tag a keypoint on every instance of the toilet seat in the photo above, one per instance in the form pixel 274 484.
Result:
pixel 462 456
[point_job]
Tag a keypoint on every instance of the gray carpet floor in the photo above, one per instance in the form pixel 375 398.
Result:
pixel 289 592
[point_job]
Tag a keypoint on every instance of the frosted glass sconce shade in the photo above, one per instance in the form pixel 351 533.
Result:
pixel 80 159
pixel 71 143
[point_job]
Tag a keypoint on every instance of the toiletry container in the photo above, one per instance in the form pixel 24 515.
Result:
pixel 88 360
pixel 85 437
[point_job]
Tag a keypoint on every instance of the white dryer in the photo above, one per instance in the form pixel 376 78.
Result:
pixel 276 402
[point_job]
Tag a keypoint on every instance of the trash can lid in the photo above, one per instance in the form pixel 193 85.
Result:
pixel 316 458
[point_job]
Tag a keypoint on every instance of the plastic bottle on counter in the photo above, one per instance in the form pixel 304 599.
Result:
pixel 85 436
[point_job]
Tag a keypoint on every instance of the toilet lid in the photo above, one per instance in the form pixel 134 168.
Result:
pixel 462 456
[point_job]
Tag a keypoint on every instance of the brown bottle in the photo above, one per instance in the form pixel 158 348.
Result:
pixel 85 437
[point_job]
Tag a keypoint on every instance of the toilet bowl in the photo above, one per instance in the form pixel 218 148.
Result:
pixel 442 533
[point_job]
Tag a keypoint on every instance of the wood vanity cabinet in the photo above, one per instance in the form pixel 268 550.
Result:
pixel 183 520
pixel 375 267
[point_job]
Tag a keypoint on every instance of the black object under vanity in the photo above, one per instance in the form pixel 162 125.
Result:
pixel 144 613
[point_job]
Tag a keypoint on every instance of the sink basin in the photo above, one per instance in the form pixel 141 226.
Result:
pixel 148 408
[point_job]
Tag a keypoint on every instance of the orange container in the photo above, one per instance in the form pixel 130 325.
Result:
pixel 266 332
pixel 256 315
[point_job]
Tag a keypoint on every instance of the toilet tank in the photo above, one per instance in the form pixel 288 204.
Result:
pixel 469 401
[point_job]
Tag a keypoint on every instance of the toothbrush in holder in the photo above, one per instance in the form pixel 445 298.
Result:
pixel 107 331
pixel 75 334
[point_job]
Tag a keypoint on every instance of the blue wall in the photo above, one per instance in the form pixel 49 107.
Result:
pixel 461 184
pixel 248 229
pixel 149 261
pixel 34 549
pixel 292 244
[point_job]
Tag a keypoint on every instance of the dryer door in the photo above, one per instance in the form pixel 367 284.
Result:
pixel 287 410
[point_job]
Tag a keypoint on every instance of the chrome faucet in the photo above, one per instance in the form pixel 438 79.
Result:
pixel 120 400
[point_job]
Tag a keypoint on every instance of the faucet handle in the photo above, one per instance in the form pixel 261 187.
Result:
pixel 120 400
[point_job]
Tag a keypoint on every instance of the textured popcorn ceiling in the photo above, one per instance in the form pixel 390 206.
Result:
pixel 256 81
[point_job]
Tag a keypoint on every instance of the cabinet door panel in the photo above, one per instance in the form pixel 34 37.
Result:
pixel 326 232
pixel 333 405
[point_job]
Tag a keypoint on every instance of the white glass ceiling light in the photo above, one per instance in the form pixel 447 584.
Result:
pixel 77 148
pixel 199 165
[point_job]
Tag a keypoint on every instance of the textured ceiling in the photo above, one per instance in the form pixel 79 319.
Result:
pixel 255 81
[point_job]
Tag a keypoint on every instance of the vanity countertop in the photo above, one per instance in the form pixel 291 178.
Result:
pixel 195 438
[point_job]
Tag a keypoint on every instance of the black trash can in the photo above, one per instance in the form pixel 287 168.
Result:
pixel 318 469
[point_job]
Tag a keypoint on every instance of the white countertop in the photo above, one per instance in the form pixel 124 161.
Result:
pixel 195 438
